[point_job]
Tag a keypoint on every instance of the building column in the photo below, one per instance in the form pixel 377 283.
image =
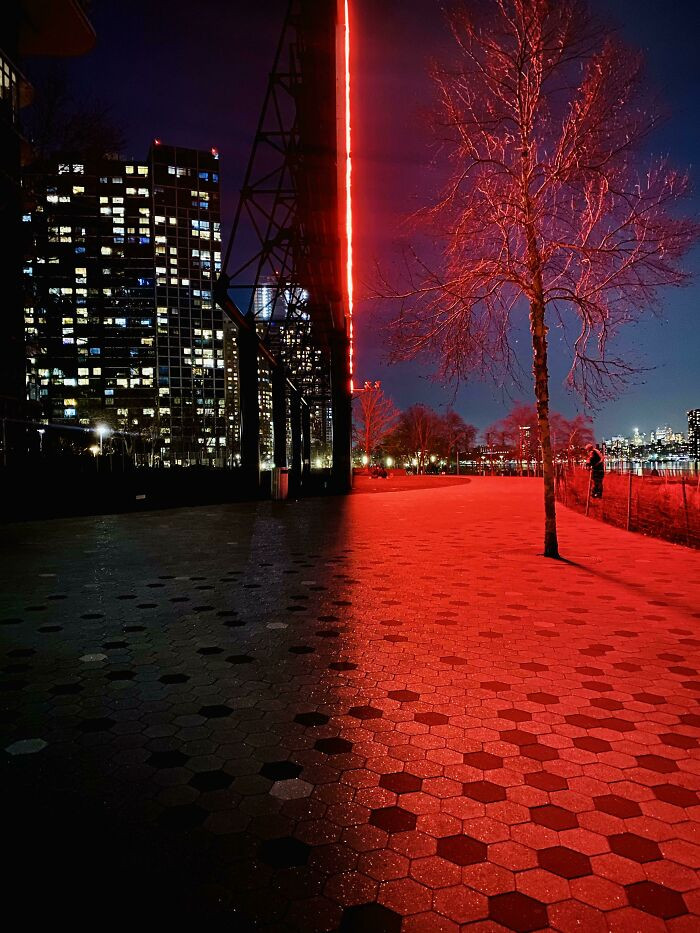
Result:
pixel 305 442
pixel 295 472
pixel 247 341
pixel 279 414
pixel 341 399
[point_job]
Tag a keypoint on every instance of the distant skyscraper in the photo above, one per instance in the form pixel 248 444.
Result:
pixel 121 326
pixel 694 432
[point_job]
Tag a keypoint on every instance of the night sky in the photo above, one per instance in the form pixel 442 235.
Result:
pixel 194 74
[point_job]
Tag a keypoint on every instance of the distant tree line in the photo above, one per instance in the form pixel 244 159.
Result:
pixel 427 440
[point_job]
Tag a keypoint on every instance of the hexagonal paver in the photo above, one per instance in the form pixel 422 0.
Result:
pixel 617 806
pixel 564 862
pixel 365 712
pixel 335 746
pixel 636 848
pixel 99 724
pixel 211 780
pixel 657 763
pixel 678 796
pixel 484 761
pixel 401 782
pixel 554 817
pixel 281 770
pixel 404 696
pixel 544 699
pixel 311 719
pixel 174 678
pixel 216 711
pixel 514 715
pixel 284 852
pixel 656 899
pixel 546 781
pixel 393 819
pixel 26 747
pixel 370 918
pixel 168 759
pixel 462 850
pixel 518 912
pixel 432 719
pixel 484 791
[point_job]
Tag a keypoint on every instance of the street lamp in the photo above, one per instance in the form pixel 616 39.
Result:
pixel 102 431
pixel 41 432
pixel 390 461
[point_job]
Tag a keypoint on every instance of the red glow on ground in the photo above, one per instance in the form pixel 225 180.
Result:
pixel 348 182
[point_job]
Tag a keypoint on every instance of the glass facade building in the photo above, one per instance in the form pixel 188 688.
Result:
pixel 120 322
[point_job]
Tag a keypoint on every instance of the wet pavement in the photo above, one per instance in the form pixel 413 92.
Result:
pixel 378 713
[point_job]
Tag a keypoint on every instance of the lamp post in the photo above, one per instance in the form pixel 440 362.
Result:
pixel 102 432
pixel 41 432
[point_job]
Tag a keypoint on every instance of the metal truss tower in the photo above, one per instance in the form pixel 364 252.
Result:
pixel 284 284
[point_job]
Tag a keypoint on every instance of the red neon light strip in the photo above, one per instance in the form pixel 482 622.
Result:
pixel 348 183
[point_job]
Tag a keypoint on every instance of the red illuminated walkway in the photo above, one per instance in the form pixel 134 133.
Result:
pixel 382 713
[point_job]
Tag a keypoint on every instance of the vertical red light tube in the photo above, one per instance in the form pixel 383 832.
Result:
pixel 348 185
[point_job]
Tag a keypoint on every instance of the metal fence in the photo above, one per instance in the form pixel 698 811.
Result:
pixel 665 506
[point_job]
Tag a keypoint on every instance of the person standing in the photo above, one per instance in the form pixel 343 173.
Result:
pixel 596 464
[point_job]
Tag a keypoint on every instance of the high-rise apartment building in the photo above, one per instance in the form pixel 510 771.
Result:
pixel 27 30
pixel 694 432
pixel 121 325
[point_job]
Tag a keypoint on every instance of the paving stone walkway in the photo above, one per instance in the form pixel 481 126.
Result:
pixel 377 713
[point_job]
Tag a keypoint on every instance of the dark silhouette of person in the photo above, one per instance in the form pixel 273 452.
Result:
pixel 596 464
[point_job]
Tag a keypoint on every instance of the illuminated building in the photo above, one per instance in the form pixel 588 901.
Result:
pixel 190 329
pixel 284 323
pixel 120 323
pixel 694 432
pixel 36 30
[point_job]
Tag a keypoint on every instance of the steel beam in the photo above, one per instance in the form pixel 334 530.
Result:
pixel 247 341
pixel 279 414
pixel 305 444
pixel 341 474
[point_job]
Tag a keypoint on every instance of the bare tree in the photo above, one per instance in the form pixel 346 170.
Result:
pixel 59 122
pixel 455 434
pixel 572 435
pixel 518 432
pixel 376 416
pixel 416 433
pixel 550 201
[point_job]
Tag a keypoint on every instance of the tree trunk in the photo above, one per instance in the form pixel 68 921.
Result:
pixel 540 372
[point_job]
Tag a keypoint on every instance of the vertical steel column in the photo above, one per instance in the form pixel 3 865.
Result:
pixel 295 417
pixel 342 412
pixel 279 414
pixel 305 442
pixel 247 341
